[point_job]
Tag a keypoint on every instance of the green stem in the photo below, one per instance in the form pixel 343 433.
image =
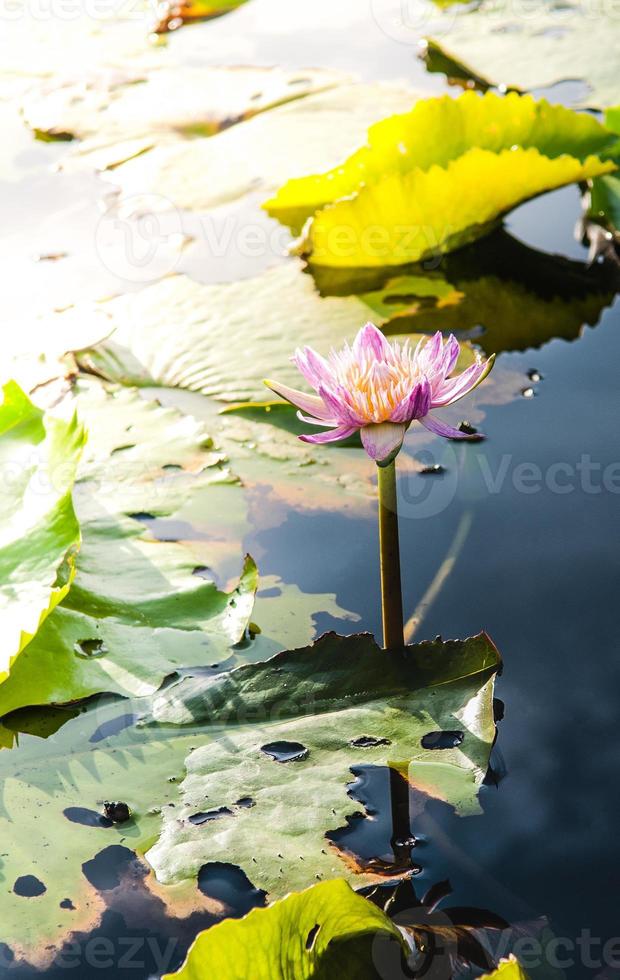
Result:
pixel 391 593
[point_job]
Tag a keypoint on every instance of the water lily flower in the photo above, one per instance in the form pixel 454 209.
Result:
pixel 379 388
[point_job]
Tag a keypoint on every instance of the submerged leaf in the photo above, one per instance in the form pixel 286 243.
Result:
pixel 39 532
pixel 324 932
pixel 320 700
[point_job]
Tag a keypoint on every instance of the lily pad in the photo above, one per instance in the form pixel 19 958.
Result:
pixel 39 532
pixel 323 932
pixel 403 199
pixel 439 132
pixel 551 43
pixel 321 699
pixel 126 633
pixel 107 109
pixel 50 806
pixel 308 134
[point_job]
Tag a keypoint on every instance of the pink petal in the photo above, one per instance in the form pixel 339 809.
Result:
pixel 315 369
pixel 338 407
pixel 332 435
pixel 416 404
pixel 451 352
pixel 370 340
pixel 310 421
pixel 312 404
pixel 447 431
pixel 454 388
pixel 383 441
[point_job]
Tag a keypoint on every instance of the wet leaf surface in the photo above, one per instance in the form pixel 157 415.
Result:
pixel 303 709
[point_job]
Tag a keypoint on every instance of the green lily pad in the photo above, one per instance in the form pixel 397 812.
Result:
pixel 550 43
pixel 39 532
pixel 49 808
pixel 323 932
pixel 403 198
pixel 124 633
pixel 339 689
pixel 320 699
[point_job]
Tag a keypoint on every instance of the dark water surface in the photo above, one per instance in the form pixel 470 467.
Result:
pixel 531 518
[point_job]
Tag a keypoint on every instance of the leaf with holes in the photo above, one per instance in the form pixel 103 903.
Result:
pixel 324 932
pixel 124 633
pixel 39 532
pixel 321 711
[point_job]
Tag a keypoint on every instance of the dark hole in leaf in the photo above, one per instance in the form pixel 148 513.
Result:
pixel 246 801
pixel 368 741
pixel 112 727
pixel 67 904
pixel 142 515
pixel 384 844
pixel 86 817
pixel 107 868
pixel 208 815
pixel 269 593
pixel 311 937
pixel 90 648
pixel 442 740
pixel 285 751
pixel 498 709
pixel 230 885
pixel 29 887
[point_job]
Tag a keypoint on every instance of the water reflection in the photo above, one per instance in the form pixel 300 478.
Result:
pixel 499 292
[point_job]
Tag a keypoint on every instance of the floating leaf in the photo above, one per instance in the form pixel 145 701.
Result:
pixel 552 43
pixel 318 700
pixel 440 176
pixel 108 110
pixel 126 633
pixel 439 132
pixel 51 809
pixel 323 932
pixel 234 333
pixel 308 134
pixel 39 532
pixel 408 218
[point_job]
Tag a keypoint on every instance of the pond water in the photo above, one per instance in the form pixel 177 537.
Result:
pixel 518 535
